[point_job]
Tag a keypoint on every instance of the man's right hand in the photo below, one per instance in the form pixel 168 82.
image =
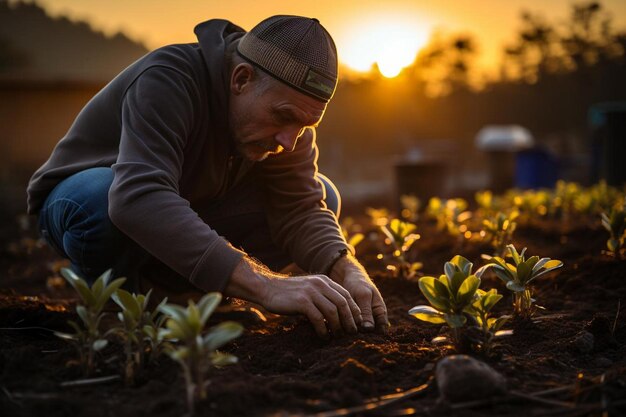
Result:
pixel 324 302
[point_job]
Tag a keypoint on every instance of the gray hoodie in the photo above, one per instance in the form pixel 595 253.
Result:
pixel 162 125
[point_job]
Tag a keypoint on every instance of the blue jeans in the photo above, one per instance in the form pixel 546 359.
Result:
pixel 74 220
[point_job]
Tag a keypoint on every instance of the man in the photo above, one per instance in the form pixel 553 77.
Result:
pixel 198 141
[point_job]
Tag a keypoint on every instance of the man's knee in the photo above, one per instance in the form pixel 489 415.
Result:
pixel 75 221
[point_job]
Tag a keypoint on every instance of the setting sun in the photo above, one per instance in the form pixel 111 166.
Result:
pixel 392 46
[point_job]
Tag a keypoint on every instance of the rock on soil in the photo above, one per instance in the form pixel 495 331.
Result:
pixel 462 378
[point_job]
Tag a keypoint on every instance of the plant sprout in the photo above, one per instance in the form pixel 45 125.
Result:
pixel 519 275
pixel 134 317
pixel 410 207
pixel 480 311
pixel 400 235
pixel 450 214
pixel 197 351
pixel 499 230
pixel 615 223
pixel 450 296
pixel 380 217
pixel 87 338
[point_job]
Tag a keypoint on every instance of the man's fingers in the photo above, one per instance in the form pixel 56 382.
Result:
pixel 317 320
pixel 329 311
pixel 379 310
pixel 353 312
pixel 363 298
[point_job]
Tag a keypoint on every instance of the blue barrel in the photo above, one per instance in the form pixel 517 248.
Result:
pixel 535 168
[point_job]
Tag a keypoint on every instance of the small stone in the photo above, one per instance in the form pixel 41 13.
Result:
pixel 583 342
pixel 462 378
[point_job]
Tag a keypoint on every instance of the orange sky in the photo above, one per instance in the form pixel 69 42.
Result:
pixel 493 22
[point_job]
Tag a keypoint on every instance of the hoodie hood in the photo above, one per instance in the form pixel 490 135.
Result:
pixel 214 37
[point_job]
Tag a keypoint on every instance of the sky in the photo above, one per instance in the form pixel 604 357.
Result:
pixel 389 31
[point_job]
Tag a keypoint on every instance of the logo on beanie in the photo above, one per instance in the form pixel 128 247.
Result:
pixel 319 84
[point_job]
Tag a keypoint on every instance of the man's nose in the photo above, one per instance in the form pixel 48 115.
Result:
pixel 287 138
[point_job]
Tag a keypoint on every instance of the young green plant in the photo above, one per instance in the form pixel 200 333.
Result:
pixel 400 235
pixel 490 327
pixel 519 275
pixel 134 317
pixel 196 350
pixel 499 230
pixel 87 338
pixel 615 224
pixel 450 296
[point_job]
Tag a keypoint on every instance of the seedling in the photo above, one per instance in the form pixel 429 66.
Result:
pixel 519 275
pixel 450 214
pixel 499 230
pixel 196 352
pixel 410 207
pixel 380 217
pixel 450 296
pixel 87 338
pixel 490 327
pixel 400 235
pixel 134 317
pixel 615 223
pixel 488 204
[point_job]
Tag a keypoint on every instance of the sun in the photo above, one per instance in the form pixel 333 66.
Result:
pixel 392 46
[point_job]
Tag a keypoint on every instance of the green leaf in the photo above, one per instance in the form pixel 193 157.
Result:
pixel 553 264
pixel 514 254
pixel 462 264
pixel 490 300
pixel 108 291
pixel 100 344
pixel 179 354
pixel 455 320
pixel 223 359
pixel 126 300
pixel 96 288
pixel 79 285
pixel 222 334
pixel 208 304
pixel 612 245
pixel 456 282
pixel 523 272
pixel 515 287
pixel 435 292
pixel 499 322
pixel 449 269
pixel 504 275
pixel 84 315
pixel 178 330
pixel 428 314
pixel 193 318
pixel 467 290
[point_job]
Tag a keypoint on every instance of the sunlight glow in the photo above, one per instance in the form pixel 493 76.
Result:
pixel 392 46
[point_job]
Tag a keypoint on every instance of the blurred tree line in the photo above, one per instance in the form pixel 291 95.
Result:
pixel 548 78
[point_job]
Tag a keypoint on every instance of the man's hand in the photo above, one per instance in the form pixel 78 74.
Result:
pixel 324 302
pixel 351 275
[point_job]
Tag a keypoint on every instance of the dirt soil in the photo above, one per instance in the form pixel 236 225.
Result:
pixel 570 361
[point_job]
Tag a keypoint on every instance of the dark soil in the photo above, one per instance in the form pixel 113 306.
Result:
pixel 284 369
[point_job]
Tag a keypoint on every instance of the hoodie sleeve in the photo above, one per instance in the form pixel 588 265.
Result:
pixel 144 202
pixel 298 217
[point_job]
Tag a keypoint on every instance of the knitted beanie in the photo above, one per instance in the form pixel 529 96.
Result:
pixel 295 50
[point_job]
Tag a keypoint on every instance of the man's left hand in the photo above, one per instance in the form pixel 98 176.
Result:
pixel 351 275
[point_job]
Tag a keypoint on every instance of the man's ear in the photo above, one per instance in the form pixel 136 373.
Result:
pixel 241 78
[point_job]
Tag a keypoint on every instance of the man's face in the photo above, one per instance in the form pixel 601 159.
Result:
pixel 267 119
